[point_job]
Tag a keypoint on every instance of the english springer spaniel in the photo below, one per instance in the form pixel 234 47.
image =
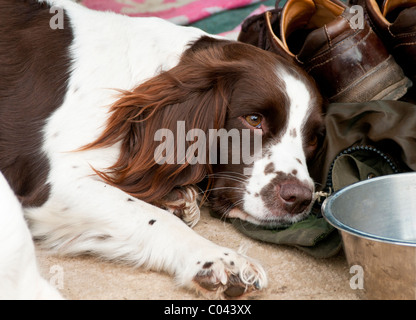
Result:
pixel 100 116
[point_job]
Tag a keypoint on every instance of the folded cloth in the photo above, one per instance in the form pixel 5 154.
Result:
pixel 313 235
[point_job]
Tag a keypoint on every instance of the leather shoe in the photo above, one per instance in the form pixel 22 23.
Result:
pixel 394 21
pixel 348 61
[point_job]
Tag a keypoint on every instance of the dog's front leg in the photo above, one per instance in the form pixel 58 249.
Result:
pixel 89 216
pixel 19 274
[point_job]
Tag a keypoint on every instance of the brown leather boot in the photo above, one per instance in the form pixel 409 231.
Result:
pixel 395 23
pixel 349 62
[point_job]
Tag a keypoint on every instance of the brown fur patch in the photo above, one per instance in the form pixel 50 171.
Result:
pixel 34 64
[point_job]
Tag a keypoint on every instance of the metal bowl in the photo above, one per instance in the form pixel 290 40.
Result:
pixel 377 222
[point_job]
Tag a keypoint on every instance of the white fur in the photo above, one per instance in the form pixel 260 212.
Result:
pixel 83 214
pixel 19 275
pixel 286 155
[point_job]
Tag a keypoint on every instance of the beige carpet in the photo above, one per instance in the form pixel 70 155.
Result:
pixel 292 274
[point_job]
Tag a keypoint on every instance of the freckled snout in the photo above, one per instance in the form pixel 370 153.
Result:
pixel 295 197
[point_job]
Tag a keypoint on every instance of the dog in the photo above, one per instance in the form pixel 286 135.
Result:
pixel 83 97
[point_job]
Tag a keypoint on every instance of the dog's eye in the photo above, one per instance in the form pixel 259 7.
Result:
pixel 312 146
pixel 254 120
pixel 313 142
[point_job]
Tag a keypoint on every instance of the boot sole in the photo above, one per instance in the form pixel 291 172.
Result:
pixel 384 82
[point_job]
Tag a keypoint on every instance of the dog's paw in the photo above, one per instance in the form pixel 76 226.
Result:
pixel 182 202
pixel 227 275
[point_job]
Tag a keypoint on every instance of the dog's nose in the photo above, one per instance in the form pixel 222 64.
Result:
pixel 296 197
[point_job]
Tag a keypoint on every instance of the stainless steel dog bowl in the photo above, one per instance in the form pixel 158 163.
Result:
pixel 377 222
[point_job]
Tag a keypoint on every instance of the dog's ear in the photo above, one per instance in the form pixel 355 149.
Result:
pixel 151 123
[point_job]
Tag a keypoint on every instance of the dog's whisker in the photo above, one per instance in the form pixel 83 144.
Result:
pixel 225 175
pixel 233 205
pixel 232 172
pixel 232 179
pixel 225 188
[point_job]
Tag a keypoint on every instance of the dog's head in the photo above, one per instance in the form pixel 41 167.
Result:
pixel 269 185
pixel 242 117
pixel 274 186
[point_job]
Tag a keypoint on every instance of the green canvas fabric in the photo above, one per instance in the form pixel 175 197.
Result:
pixel 312 235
